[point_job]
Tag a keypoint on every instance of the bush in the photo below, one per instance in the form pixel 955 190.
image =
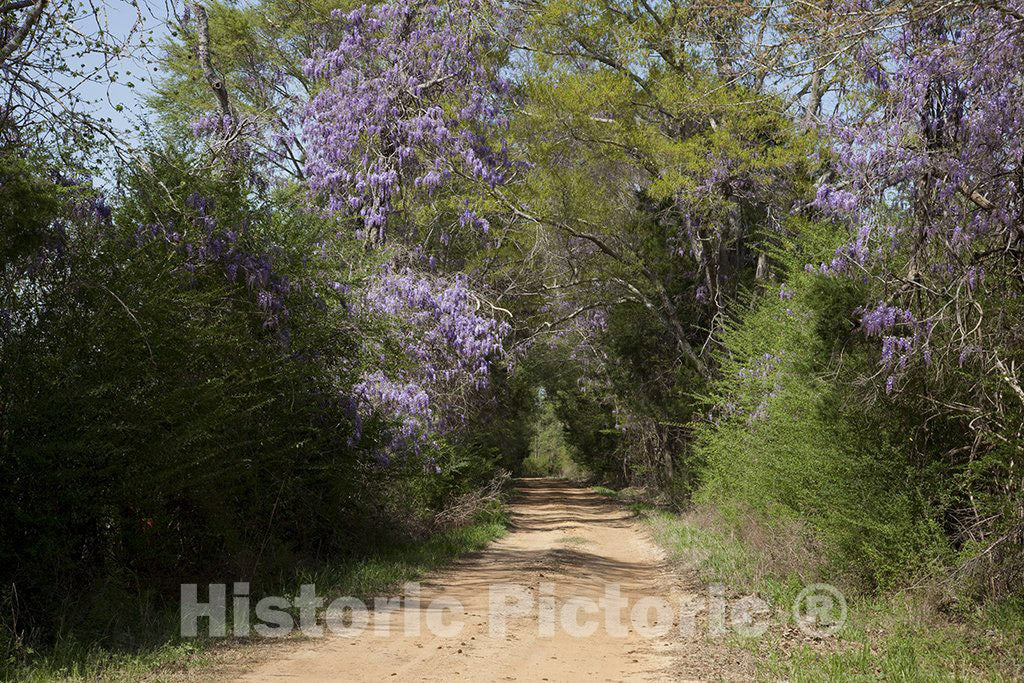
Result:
pixel 550 453
pixel 176 399
pixel 795 437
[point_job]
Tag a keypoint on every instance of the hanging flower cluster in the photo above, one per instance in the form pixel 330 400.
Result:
pixel 447 343
pixel 931 181
pixel 212 124
pixel 406 99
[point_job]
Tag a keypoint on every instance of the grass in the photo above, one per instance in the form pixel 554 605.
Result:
pixel 71 660
pixel 375 574
pixel 634 498
pixel 896 636
pixel 900 638
pixel 393 565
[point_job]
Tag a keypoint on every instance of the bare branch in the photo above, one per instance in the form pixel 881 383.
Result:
pixel 203 48
pixel 11 6
pixel 978 198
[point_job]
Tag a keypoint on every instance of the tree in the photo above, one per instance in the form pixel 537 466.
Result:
pixel 929 180
pixel 655 191
pixel 408 101
pixel 49 53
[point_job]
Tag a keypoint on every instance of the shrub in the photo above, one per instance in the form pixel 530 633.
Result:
pixel 793 436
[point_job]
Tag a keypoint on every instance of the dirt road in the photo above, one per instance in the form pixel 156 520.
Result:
pixel 561 534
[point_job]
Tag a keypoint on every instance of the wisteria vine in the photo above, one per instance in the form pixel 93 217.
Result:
pixel 407 100
pixel 931 181
pixel 448 347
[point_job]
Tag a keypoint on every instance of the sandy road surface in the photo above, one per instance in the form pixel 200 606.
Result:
pixel 561 534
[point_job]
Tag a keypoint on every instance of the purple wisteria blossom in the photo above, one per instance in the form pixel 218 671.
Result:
pixel 929 182
pixel 903 338
pixel 883 318
pixel 212 124
pixel 407 101
pixel 448 347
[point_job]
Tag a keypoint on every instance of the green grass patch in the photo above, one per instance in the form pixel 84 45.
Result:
pixel 636 498
pixel 895 636
pixel 900 638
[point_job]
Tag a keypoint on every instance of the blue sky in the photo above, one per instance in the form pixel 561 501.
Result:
pixel 124 104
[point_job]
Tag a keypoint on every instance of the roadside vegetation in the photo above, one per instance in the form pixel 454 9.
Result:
pixel 158 651
pixel 550 454
pixel 909 635
pixel 355 261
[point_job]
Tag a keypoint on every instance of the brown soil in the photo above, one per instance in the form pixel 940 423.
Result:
pixel 561 534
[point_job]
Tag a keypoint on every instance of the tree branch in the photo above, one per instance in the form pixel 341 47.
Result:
pixel 11 6
pixel 203 50
pixel 980 200
pixel 22 33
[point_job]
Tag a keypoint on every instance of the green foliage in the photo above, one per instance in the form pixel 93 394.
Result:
pixel 891 637
pixel 28 205
pixel 152 428
pixel 259 51
pixel 550 454
pixel 157 422
pixel 792 439
pixel 585 416
pixel 156 427
pixel 658 184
